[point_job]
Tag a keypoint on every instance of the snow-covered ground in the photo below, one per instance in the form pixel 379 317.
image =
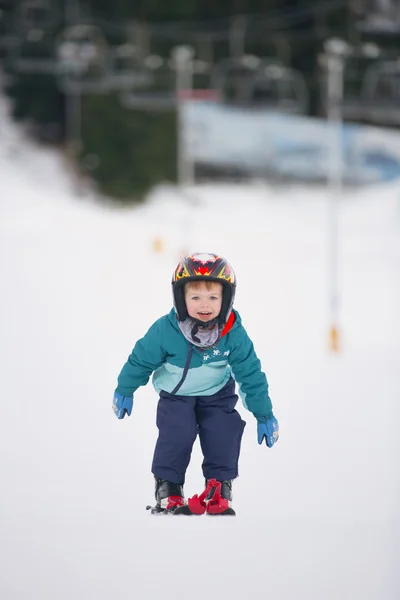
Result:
pixel 318 515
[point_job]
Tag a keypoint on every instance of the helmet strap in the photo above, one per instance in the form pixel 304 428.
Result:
pixel 201 325
pixel 193 333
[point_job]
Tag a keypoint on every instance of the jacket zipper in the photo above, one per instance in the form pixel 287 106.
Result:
pixel 185 370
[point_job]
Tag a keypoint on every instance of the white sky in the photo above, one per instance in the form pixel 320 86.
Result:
pixel 318 515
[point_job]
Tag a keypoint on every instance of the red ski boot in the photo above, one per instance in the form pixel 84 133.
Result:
pixel 214 500
pixel 169 497
pixel 219 500
pixel 197 505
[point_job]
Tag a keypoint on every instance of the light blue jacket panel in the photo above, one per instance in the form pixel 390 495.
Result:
pixel 163 352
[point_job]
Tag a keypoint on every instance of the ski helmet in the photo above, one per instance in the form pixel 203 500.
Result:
pixel 204 267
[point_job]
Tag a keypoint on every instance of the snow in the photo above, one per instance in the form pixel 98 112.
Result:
pixel 318 515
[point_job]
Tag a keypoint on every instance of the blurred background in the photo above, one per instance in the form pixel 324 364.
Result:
pixel 138 94
pixel 131 133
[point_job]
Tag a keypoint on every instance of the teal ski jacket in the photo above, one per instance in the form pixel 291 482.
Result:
pixel 181 367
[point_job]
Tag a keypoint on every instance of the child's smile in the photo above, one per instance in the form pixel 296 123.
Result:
pixel 204 314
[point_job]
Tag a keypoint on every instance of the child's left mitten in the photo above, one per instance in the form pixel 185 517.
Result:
pixel 122 405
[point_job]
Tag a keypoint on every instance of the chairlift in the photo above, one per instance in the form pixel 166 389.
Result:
pixel 127 69
pixel 82 55
pixel 251 80
pixel 233 77
pixel 165 96
pixel 381 83
pixel 279 87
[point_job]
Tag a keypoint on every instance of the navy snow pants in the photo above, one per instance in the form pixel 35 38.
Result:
pixel 214 418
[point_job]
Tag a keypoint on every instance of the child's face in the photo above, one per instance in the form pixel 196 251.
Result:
pixel 203 299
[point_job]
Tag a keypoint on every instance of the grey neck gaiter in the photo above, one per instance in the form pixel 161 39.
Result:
pixel 203 338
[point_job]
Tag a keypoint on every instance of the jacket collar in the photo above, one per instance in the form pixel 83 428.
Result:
pixel 233 321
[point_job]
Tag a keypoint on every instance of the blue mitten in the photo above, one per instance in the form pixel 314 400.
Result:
pixel 269 431
pixel 122 405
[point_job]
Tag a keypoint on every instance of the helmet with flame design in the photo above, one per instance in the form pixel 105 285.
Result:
pixel 204 267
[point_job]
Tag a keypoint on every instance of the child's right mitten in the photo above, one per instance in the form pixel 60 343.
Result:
pixel 268 431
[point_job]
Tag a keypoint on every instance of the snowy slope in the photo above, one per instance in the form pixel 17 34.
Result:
pixel 318 515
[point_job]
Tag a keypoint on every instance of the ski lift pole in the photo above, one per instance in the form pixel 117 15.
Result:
pixel 73 108
pixel 335 57
pixel 183 58
pixel 183 62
